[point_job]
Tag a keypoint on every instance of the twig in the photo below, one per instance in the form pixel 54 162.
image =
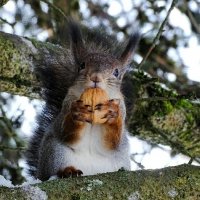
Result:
pixel 173 144
pixel 8 129
pixel 158 34
pixel 137 163
pixel 157 99
pixel 191 17
pixel 55 8
pixel 5 21
pixel 190 161
pixel 3 147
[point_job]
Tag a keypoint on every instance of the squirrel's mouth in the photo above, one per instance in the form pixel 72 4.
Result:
pixel 94 84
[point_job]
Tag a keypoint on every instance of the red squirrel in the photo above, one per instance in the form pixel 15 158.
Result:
pixel 73 137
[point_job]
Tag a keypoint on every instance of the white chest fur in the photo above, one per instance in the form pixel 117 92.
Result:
pixel 90 155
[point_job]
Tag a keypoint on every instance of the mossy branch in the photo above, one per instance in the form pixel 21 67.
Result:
pixel 180 182
pixel 18 58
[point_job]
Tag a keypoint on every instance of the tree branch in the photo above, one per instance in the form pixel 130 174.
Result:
pixel 180 182
pixel 19 57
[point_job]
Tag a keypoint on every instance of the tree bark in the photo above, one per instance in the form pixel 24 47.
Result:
pixel 18 58
pixel 155 113
pixel 180 182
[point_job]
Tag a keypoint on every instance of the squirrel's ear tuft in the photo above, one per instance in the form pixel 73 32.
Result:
pixel 76 40
pixel 130 47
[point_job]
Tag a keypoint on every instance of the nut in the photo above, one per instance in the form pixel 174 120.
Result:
pixel 93 97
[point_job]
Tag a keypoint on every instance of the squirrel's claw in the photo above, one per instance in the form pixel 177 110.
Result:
pixel 98 106
pixel 81 112
pixel 107 105
pixel 110 114
pixel 114 101
pixel 113 111
pixel 88 107
pixel 82 117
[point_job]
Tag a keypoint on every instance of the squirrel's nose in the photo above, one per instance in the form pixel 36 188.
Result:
pixel 96 77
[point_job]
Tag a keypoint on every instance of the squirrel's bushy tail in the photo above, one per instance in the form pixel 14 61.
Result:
pixel 55 80
pixel 56 75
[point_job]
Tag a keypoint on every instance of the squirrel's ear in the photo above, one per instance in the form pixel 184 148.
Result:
pixel 130 47
pixel 77 44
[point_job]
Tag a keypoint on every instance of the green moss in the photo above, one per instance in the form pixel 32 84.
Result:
pixel 190 118
pixel 11 194
pixel 161 108
pixel 168 107
pixel 12 61
pixel 45 45
pixel 184 103
pixel 15 65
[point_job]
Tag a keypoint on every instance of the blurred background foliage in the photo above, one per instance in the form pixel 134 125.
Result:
pixel 45 19
pixel 11 144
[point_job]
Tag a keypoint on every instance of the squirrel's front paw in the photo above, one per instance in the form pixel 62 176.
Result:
pixel 81 112
pixel 69 172
pixel 109 111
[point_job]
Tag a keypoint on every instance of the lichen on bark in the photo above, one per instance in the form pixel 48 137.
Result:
pixel 16 66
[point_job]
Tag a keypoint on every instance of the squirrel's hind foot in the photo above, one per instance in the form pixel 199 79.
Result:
pixel 69 172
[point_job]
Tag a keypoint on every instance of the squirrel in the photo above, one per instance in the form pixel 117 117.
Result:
pixel 66 142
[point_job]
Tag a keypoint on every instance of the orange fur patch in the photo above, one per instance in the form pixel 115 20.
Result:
pixel 112 134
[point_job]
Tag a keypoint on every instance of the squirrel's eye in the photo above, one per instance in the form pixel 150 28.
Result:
pixel 82 66
pixel 116 73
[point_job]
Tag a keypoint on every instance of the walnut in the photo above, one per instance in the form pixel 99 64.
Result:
pixel 93 97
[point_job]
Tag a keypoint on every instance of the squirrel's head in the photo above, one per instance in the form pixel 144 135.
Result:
pixel 100 68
